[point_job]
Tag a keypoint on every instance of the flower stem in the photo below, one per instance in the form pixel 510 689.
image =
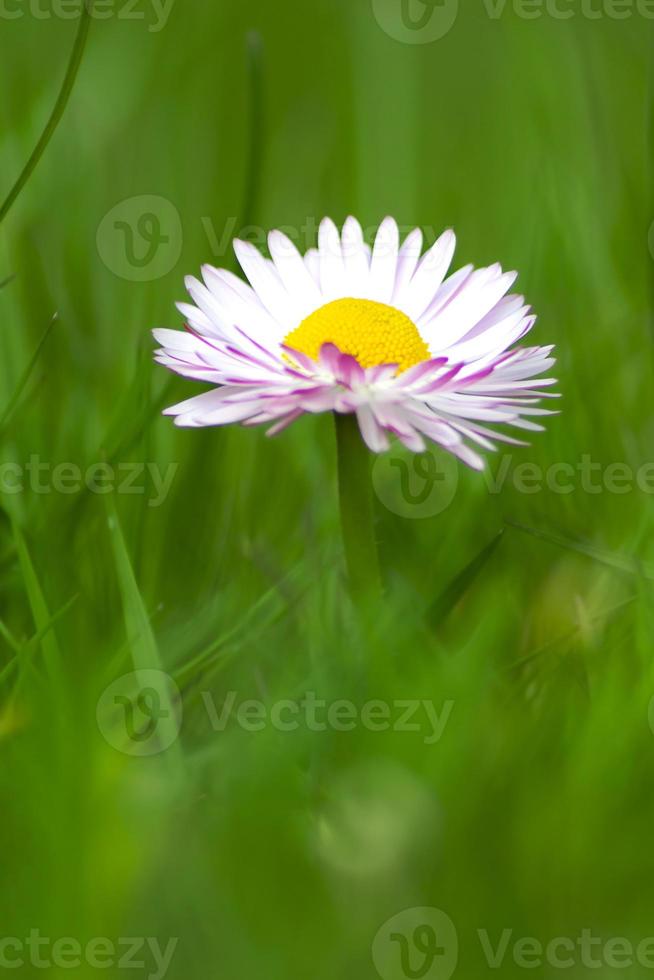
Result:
pixel 355 499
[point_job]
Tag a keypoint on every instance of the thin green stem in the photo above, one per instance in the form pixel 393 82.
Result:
pixel 355 499
pixel 256 128
pixel 24 378
pixel 57 112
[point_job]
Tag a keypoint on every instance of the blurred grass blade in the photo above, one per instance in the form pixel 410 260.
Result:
pixel 24 653
pixel 266 611
pixel 457 588
pixel 24 378
pixel 5 282
pixel 618 562
pixel 256 130
pixel 8 637
pixel 145 654
pixel 57 112
pixel 40 612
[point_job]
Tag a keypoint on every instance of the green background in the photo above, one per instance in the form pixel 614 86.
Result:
pixel 281 854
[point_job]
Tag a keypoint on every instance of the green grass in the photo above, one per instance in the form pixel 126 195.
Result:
pixel 281 854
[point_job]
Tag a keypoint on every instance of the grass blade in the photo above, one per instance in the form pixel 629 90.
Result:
pixel 57 112
pixel 144 650
pixel 619 563
pixel 24 378
pixel 23 654
pixel 457 588
pixel 40 612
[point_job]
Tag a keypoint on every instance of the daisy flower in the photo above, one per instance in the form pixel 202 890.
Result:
pixel 381 333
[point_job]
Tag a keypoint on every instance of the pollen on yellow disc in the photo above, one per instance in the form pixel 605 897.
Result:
pixel 372 332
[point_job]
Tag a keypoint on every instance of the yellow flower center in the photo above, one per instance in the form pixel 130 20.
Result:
pixel 372 332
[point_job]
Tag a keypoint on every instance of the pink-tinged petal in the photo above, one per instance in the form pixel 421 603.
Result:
pixel 284 422
pixel 422 371
pixel 319 399
pixel 507 307
pixel 381 373
pixel 197 319
pixel 494 340
pixel 212 408
pixel 481 292
pixel 329 358
pixel 188 371
pixel 242 306
pixel 302 360
pixel 429 275
pixel 448 291
pixel 394 418
pixel 350 372
pixel 209 305
pixel 373 435
pixel 441 383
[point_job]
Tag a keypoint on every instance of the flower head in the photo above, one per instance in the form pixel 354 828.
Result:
pixel 378 332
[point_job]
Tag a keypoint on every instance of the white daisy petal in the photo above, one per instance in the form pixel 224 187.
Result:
pixel 242 307
pixel 407 263
pixel 312 262
pixel 332 268
pixel 356 260
pixel 383 266
pixel 294 274
pixel 267 285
